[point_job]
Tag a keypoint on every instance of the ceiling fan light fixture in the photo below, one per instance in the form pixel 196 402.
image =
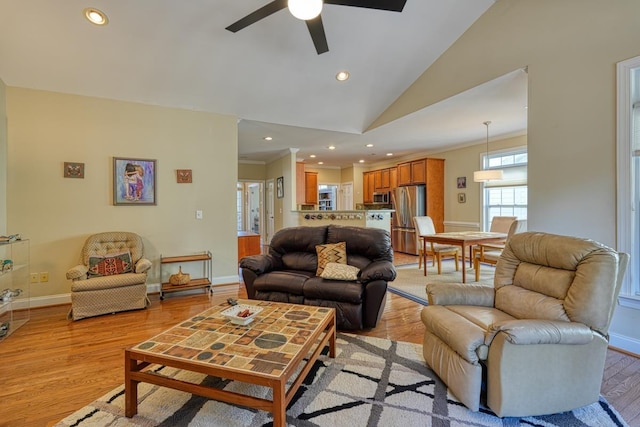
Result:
pixel 305 9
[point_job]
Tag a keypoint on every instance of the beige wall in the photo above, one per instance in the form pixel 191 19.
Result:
pixel 463 162
pixel 252 171
pixel 346 174
pixel 571 48
pixel 3 159
pixel 284 167
pixel 57 214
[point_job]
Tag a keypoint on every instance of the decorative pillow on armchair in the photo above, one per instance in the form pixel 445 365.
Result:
pixel 331 252
pixel 110 264
pixel 335 271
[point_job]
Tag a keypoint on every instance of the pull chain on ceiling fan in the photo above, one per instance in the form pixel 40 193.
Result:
pixel 314 23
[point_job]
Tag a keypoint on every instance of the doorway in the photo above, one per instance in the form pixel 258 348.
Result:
pixel 271 225
pixel 346 196
pixel 250 209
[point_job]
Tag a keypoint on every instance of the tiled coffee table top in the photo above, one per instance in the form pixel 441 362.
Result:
pixel 266 345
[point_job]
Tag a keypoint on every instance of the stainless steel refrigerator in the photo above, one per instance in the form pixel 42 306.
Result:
pixel 408 202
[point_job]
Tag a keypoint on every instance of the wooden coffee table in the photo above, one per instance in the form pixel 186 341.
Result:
pixel 266 352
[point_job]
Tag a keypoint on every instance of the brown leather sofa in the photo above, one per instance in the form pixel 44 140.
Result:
pixel 288 272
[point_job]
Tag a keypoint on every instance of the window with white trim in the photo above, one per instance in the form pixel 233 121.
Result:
pixel 628 174
pixel 507 197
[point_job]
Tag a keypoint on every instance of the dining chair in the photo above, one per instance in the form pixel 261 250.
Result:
pixel 499 224
pixel 424 226
pixel 488 253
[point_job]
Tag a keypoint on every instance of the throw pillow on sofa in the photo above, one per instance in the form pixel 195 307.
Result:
pixel 335 271
pixel 331 252
pixel 110 264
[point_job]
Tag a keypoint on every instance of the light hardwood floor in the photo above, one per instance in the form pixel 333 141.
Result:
pixel 51 366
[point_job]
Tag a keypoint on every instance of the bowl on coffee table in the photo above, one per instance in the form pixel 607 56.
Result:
pixel 241 314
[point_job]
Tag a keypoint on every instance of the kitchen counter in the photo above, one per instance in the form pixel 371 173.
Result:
pixel 376 218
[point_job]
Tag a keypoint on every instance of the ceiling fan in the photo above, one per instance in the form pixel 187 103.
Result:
pixel 314 24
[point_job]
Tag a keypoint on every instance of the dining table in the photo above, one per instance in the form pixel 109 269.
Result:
pixel 464 239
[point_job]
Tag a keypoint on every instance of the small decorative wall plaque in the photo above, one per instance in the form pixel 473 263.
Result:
pixel 462 197
pixel 184 176
pixel 73 170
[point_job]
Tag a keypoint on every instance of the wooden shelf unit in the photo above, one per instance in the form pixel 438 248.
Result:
pixel 196 283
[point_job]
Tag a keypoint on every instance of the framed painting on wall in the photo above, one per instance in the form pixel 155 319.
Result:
pixel 280 187
pixel 134 181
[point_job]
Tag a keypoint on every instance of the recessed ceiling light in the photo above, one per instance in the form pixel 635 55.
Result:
pixel 268 138
pixel 96 16
pixel 361 160
pixel 313 156
pixel 342 75
pixel 369 145
pixel 331 147
pixel 321 163
pixel 389 154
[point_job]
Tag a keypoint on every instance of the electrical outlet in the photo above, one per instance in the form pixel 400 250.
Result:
pixel 34 277
pixel 198 214
pixel 44 276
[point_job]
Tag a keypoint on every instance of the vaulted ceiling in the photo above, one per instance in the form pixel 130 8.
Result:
pixel 179 54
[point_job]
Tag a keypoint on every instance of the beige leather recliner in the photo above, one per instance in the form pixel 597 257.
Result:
pixel 93 295
pixel 538 338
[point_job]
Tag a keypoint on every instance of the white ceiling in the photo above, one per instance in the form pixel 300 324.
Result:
pixel 178 54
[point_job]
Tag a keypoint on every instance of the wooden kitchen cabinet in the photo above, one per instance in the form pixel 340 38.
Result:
pixel 377 179
pixel 311 188
pixel 434 180
pixel 248 244
pixel 383 181
pixel 368 186
pixel 412 173
pixel 393 178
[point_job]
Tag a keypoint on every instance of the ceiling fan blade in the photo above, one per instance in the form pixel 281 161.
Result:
pixel 316 29
pixel 390 5
pixel 257 15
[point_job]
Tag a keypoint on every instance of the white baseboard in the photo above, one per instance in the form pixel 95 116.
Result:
pixel 219 284
pixel 225 280
pixel 59 299
pixel 625 343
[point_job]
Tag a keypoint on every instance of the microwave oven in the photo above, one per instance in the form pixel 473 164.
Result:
pixel 381 197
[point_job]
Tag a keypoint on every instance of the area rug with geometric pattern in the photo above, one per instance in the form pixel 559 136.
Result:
pixel 372 382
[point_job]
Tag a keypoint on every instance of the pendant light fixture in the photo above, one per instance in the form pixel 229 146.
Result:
pixel 305 9
pixel 485 175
